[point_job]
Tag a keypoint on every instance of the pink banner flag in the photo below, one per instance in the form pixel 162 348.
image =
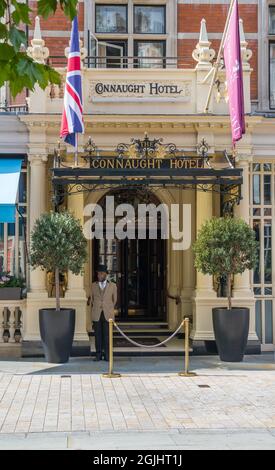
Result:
pixel 234 75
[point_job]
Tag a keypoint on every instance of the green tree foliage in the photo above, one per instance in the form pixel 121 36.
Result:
pixel 17 69
pixel 225 246
pixel 58 245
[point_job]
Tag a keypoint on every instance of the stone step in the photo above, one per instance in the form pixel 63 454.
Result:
pixel 83 348
pixel 142 328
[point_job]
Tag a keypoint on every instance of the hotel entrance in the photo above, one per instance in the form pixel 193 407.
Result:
pixel 137 266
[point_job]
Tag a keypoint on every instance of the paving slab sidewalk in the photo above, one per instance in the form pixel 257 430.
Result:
pixel 73 406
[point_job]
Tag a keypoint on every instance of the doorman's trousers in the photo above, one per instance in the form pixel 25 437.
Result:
pixel 101 329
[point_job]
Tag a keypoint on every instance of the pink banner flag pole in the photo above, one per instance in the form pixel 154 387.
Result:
pixel 234 75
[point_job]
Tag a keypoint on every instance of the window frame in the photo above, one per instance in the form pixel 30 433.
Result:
pixel 137 5
pixel 170 25
pixel 270 6
pixel 270 42
pixel 114 41
pixel 163 58
pixel 125 5
pixel 264 290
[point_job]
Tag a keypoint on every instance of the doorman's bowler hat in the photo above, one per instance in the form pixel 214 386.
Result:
pixel 102 268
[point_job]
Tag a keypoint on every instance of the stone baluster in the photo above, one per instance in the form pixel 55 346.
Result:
pixel 17 325
pixel 6 325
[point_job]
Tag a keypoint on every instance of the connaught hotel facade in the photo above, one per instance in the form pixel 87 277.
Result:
pixel 145 67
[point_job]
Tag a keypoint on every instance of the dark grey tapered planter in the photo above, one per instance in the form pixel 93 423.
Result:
pixel 231 332
pixel 57 332
pixel 10 293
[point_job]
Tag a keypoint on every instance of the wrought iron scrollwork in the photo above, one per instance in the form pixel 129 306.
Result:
pixel 58 197
pixel 202 151
pixel 75 180
pixel 90 151
pixel 146 148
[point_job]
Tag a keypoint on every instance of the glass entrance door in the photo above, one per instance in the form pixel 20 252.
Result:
pixel 138 268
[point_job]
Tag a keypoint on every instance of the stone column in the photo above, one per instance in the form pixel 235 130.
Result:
pixel 204 211
pixel 242 284
pixel 37 296
pixel 76 282
pixel 204 298
pixel 75 295
pixel 37 206
pixel 243 295
pixel 173 266
pixel 187 257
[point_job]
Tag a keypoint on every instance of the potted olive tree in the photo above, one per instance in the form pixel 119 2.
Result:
pixel 57 245
pixel 226 246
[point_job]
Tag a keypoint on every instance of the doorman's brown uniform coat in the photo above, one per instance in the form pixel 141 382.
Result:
pixel 103 300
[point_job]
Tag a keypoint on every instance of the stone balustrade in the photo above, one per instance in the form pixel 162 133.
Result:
pixel 11 327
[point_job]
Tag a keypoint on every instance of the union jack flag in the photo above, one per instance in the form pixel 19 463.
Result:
pixel 72 118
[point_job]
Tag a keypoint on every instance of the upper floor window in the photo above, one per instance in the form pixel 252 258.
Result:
pixel 271 33
pixel 271 20
pixel 129 33
pixel 111 18
pixel 151 53
pixel 149 19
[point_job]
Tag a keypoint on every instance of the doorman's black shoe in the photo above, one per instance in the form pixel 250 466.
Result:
pixel 97 358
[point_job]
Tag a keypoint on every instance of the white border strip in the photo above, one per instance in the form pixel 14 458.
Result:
pixel 222 2
pixel 213 36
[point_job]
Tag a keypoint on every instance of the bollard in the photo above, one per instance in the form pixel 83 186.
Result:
pixel 186 372
pixel 111 374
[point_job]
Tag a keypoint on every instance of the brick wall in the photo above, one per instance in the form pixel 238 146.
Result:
pixel 59 22
pixel 189 18
pixel 56 30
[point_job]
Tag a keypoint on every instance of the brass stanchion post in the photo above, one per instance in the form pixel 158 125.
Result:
pixel 111 374
pixel 186 372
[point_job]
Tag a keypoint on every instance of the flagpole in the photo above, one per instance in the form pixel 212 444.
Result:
pixel 217 63
pixel 76 151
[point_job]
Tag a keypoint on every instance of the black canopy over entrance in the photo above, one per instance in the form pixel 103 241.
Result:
pixel 150 163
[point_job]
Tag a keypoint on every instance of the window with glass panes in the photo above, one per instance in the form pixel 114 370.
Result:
pixel 111 18
pixel 12 235
pixel 262 177
pixel 149 19
pixel 140 30
pixel 271 42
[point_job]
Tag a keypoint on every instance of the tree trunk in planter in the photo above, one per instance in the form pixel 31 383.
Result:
pixel 57 287
pixel 231 332
pixel 57 332
pixel 228 290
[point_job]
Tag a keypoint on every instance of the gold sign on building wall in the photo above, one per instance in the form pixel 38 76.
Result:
pixel 100 90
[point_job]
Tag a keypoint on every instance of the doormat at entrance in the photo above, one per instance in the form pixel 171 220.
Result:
pixel 123 343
